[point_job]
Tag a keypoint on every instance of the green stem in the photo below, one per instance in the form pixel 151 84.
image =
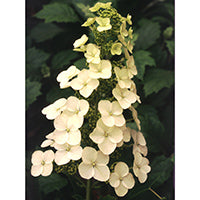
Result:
pixel 88 190
pixel 156 194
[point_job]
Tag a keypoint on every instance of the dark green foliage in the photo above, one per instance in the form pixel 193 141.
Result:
pixel 52 28
pixel 57 12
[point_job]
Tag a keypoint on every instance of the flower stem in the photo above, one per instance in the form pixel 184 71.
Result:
pixel 156 194
pixel 88 190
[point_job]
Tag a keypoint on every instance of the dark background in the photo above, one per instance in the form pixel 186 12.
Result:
pixel 49 51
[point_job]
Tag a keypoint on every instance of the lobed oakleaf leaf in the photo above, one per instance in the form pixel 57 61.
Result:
pixel 32 91
pixel 57 12
pixel 42 31
pixel 52 183
pixel 148 32
pixel 143 59
pixel 157 79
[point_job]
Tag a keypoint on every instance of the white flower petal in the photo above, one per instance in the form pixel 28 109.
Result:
pixel 36 170
pixel 61 137
pixel 142 177
pixel 102 159
pixel 114 180
pixel 104 107
pixel 121 190
pixel 101 173
pixel 108 120
pixel 61 157
pixel 74 137
pixel 115 134
pixel 84 107
pixel 47 169
pixel 86 170
pixel 107 147
pixel 89 155
pixel 116 108
pixel 75 152
pixel 97 135
pixel 121 169
pixel 119 120
pixel 128 181
pixel 48 156
pixel 37 157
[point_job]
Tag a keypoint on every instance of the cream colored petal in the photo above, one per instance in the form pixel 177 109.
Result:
pixel 121 169
pixel 107 147
pixel 128 181
pixel 119 120
pixel 76 84
pixel 46 143
pixel 141 139
pixel 93 83
pixel 89 155
pixel 116 108
pixel 76 120
pixel 108 120
pixel 144 161
pixel 114 180
pixel 145 169
pixel 47 169
pixel 97 135
pixel 101 173
pixel 115 134
pixel 80 41
pixel 102 159
pixel 36 170
pixel 131 97
pixel 119 144
pixel 101 125
pixel 75 152
pixel 86 170
pixel 106 69
pixel 124 103
pixel 121 190
pixel 72 104
pixel 84 107
pixel 142 177
pixel 86 91
pixel 60 103
pixel 104 107
pixel 61 122
pixel 61 137
pixel 136 170
pixel 117 94
pixel 48 156
pixel 37 157
pixel 138 158
pixel 74 137
pixel 126 135
pixel 61 157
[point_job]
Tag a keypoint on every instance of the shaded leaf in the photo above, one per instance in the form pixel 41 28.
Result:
pixel 35 58
pixel 32 91
pixel 52 183
pixel 80 64
pixel 42 32
pixel 77 197
pixel 57 93
pixel 148 32
pixel 57 12
pixel 170 46
pixel 63 58
pixel 156 79
pixel 162 168
pixel 143 59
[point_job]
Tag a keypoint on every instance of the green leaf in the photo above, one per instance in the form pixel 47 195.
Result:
pixel 35 58
pixel 170 9
pixel 162 168
pixel 57 93
pixel 157 79
pixel 143 59
pixel 167 33
pixel 32 91
pixel 170 46
pixel 152 127
pixel 52 183
pixel 148 32
pixel 42 32
pixel 107 197
pixel 63 58
pixel 80 64
pixel 82 7
pixel 57 12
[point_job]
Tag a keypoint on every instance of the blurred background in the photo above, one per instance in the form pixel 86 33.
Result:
pixel 51 29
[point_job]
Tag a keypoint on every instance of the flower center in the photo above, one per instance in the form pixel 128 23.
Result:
pixel 68 130
pixel 67 148
pixel 43 163
pixel 120 179
pixel 93 164
pixel 106 134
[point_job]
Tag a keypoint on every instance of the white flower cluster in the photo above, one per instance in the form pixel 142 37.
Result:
pixel 110 131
